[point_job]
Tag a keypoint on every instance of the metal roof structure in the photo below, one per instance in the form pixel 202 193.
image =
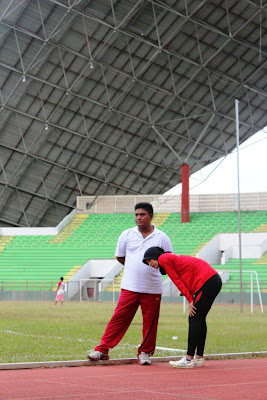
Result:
pixel 111 97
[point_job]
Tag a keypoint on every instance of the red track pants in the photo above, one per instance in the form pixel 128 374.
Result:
pixel 125 311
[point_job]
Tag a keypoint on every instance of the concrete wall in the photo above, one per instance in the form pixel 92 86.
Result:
pixel 164 203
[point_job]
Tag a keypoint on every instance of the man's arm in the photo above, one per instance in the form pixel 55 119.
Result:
pixel 121 260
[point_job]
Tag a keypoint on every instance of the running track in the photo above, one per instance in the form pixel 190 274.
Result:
pixel 218 380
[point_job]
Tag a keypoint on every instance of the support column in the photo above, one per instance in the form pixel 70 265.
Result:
pixel 185 193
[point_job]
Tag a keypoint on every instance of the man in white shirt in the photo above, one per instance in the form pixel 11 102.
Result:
pixel 139 286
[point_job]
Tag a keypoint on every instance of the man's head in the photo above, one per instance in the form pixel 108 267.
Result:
pixel 62 279
pixel 143 216
pixel 146 206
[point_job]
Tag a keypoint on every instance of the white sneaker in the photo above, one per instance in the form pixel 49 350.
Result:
pixel 143 359
pixel 183 363
pixel 199 362
pixel 97 355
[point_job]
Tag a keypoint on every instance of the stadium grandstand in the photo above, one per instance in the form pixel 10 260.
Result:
pixel 106 102
pixel 82 248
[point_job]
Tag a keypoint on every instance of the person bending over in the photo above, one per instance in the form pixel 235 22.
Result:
pixel 140 286
pixel 200 284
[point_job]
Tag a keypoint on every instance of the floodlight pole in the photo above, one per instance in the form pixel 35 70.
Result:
pixel 238 201
pixel 185 217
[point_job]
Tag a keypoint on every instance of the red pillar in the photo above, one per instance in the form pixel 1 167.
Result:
pixel 185 193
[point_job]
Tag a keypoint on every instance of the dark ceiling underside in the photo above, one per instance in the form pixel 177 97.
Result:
pixel 111 97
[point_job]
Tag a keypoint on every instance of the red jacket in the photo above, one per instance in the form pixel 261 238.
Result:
pixel 188 273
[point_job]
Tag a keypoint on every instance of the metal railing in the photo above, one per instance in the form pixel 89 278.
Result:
pixel 28 285
pixel 95 290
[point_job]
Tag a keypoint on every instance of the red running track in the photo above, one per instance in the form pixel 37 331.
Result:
pixel 218 380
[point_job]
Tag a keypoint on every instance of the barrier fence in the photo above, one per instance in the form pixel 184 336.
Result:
pixel 101 290
pixel 28 285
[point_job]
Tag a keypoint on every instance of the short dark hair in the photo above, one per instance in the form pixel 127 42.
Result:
pixel 62 279
pixel 146 206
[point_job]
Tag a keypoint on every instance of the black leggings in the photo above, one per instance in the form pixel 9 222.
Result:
pixel 197 324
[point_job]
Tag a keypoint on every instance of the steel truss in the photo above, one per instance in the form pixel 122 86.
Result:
pixel 113 97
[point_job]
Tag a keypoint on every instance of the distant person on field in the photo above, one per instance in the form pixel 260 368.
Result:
pixel 200 284
pixel 140 286
pixel 60 291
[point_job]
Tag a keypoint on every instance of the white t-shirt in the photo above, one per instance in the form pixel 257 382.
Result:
pixel 61 288
pixel 137 276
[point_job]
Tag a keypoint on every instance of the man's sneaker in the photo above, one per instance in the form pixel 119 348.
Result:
pixel 143 359
pixel 183 363
pixel 199 362
pixel 97 355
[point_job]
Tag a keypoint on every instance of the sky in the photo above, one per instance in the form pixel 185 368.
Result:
pixel 222 177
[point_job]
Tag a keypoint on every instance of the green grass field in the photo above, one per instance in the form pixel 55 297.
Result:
pixel 39 331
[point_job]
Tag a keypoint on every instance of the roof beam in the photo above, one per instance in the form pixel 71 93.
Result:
pixel 210 70
pixel 64 167
pixel 144 122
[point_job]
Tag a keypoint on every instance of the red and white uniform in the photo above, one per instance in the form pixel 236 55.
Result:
pixel 141 286
pixel 60 291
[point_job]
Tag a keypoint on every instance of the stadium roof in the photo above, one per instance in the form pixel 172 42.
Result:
pixel 111 97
